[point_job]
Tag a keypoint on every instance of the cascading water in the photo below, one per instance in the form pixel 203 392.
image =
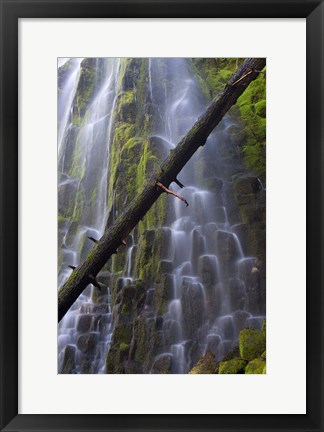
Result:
pixel 85 175
pixel 210 302
pixel 204 254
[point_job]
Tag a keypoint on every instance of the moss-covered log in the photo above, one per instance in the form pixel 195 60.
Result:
pixel 166 174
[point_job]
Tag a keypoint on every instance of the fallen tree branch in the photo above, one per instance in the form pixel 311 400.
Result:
pixel 160 185
pixel 169 169
pixel 176 181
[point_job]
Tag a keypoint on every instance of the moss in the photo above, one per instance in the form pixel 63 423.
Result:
pixel 264 328
pixel 141 336
pixel 235 366
pixel 255 366
pixel 206 365
pixel 123 333
pixel 123 346
pixel 252 106
pixel 251 343
pixel 85 90
pixel 214 73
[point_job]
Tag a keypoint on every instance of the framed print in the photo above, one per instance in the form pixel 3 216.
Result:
pixel 165 158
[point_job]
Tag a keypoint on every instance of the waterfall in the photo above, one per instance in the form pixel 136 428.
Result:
pixel 205 265
pixel 209 306
pixel 88 175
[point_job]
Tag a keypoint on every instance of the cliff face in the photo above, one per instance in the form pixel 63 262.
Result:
pixel 188 280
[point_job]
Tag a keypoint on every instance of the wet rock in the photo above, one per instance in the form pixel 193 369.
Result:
pixel 84 323
pixel 220 215
pixel 100 296
pixel 213 342
pixel 101 308
pixel 133 367
pixel 102 323
pixel 163 364
pixel 87 343
pixel 142 338
pixel 207 269
pixel 215 185
pixel 150 298
pixel 246 185
pixel 254 292
pixel 86 366
pixel 193 307
pixel 226 327
pixel 252 344
pixel 239 320
pixel 172 332
pixel 159 147
pixel 227 251
pixel 66 198
pixel 237 294
pixel 235 366
pixel 206 365
pixel 163 293
pixel 144 268
pixel 165 243
pixel 241 230
pixel 123 333
pixel 195 352
pixel 254 323
pixel 159 323
pixel 68 365
pixel 166 266
pixel 198 248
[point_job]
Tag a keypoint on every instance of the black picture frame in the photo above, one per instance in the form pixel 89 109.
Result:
pixel 11 11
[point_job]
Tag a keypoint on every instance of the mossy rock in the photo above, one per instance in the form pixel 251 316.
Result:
pixel 123 347
pixel 163 365
pixel 264 328
pixel 206 365
pixel 255 366
pixel 235 366
pixel 123 333
pixel 252 344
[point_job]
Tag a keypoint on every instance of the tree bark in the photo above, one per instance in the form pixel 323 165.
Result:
pixel 167 173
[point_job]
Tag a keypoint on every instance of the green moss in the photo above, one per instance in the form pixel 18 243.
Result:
pixel 78 206
pixel 252 106
pixel 206 365
pixel 251 343
pixel 214 73
pixel 256 366
pixel 85 90
pixel 123 333
pixel 124 347
pixel 235 366
pixel 264 328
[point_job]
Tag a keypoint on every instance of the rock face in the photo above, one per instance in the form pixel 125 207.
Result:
pixel 251 199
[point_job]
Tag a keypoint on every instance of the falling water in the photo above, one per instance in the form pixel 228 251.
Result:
pixel 85 331
pixel 209 306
